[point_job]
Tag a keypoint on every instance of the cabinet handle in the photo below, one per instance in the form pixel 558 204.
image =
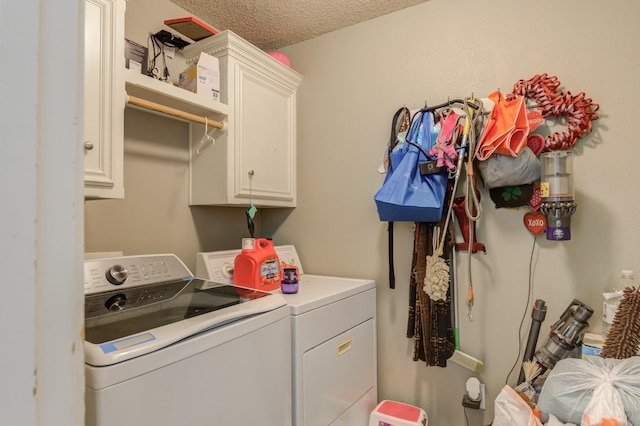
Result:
pixel 344 346
pixel 251 173
pixel 88 145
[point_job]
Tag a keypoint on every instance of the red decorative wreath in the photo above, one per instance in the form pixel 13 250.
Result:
pixel 579 110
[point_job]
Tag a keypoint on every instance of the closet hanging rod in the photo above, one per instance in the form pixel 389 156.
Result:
pixel 142 103
pixel 452 101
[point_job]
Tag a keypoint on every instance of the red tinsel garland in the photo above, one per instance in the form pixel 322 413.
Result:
pixel 579 110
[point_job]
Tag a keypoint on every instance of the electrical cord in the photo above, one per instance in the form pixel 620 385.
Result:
pixel 158 50
pixel 524 314
pixel 466 418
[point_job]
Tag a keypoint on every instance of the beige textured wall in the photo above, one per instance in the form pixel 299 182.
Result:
pixel 154 216
pixel 356 78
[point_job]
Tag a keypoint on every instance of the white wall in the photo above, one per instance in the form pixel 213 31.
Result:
pixel 356 78
pixel 41 230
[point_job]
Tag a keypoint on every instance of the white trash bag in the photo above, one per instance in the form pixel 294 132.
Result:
pixel 555 422
pixel 510 409
pixel 587 391
pixel 503 170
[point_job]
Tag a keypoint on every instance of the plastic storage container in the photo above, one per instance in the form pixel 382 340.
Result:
pixel 612 297
pixel 257 265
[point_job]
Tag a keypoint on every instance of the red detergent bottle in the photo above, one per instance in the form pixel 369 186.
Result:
pixel 257 266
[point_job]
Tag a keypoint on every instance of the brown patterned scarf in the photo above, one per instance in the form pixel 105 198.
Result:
pixel 429 322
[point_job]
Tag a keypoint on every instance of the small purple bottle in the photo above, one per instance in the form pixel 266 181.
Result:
pixel 289 281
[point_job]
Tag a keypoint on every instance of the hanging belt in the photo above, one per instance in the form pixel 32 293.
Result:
pixel 400 123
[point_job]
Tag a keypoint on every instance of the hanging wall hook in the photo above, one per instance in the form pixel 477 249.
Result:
pixel 207 137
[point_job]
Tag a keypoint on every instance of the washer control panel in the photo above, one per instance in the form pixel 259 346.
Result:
pixel 118 273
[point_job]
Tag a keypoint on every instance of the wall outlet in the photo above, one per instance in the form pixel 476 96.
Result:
pixel 474 396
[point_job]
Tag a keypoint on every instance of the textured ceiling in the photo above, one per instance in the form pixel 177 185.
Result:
pixel 272 24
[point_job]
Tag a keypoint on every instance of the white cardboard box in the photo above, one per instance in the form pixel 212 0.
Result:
pixel 592 345
pixel 203 77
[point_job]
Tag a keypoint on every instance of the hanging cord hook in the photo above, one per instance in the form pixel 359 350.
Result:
pixel 206 137
pixel 470 192
pixel 250 213
pixel 472 203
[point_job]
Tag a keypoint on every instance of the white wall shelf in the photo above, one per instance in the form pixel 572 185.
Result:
pixel 157 91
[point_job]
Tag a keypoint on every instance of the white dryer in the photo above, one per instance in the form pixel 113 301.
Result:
pixel 334 356
pixel 164 348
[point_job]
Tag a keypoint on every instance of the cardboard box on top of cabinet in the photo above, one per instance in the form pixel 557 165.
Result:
pixel 135 56
pixel 203 77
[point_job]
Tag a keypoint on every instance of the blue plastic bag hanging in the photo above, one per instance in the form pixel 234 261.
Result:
pixel 407 194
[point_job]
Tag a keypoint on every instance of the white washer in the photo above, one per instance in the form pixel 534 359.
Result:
pixel 164 348
pixel 333 339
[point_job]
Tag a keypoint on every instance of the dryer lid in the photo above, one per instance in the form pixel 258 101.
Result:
pixel 318 290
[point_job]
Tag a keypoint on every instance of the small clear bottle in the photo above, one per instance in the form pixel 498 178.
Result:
pixel 612 297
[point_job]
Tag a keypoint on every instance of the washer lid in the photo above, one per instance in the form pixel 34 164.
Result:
pixel 159 315
pixel 317 290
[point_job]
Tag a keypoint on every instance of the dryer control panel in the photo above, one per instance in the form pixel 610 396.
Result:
pixel 218 265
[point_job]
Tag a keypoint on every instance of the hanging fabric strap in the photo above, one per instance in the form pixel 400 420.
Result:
pixel 444 149
pixel 400 123
pixel 392 271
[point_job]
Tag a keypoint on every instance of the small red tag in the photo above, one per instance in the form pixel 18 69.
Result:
pixel 535 222
pixel 535 142
pixel 536 199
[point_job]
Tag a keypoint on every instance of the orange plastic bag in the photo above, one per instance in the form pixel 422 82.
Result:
pixel 506 130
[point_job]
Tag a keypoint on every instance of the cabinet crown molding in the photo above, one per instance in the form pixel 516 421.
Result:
pixel 228 43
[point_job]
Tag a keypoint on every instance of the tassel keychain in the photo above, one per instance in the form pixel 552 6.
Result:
pixel 436 278
pixel 250 213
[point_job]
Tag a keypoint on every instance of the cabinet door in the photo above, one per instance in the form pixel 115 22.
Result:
pixel 265 138
pixel 104 98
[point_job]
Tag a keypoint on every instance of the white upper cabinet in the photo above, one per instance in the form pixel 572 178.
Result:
pixel 104 98
pixel 254 160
